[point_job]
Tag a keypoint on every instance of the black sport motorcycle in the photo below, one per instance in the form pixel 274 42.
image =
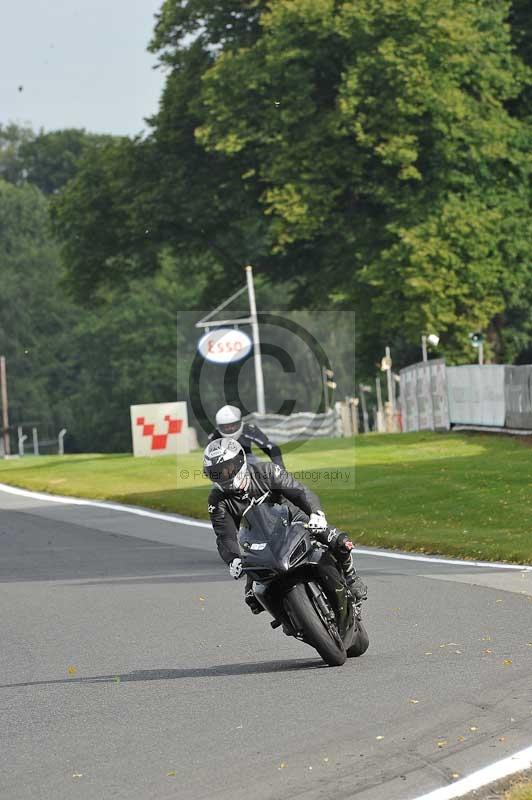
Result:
pixel 298 581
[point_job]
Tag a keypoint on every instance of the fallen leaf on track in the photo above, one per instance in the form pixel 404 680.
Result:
pixel 171 774
pixel 282 765
pixel 414 702
pixel 77 774
pixel 379 738
pixel 442 742
pixel 71 670
pixel 507 662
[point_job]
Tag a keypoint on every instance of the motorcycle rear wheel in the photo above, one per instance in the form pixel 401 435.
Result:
pixel 302 612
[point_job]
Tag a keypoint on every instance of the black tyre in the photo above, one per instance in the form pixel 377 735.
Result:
pixel 360 643
pixel 306 618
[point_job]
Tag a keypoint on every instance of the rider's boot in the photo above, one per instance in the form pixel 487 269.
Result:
pixel 250 599
pixel 356 585
pixel 342 545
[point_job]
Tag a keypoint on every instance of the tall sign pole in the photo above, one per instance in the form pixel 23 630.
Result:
pixel 259 378
pixel 5 416
pixel 389 381
pixel 209 322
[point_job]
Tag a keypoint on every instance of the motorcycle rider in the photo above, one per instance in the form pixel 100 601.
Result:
pixel 237 483
pixel 229 423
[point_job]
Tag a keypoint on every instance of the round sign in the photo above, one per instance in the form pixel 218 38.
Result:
pixel 224 345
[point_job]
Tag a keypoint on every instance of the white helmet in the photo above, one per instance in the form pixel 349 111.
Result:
pixel 229 421
pixel 224 463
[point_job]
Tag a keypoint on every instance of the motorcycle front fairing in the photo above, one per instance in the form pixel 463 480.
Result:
pixel 270 541
pixel 278 553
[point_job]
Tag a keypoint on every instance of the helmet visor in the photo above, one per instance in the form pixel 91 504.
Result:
pixel 224 472
pixel 228 428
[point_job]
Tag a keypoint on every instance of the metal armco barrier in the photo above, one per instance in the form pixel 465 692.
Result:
pixel 518 396
pixel 303 425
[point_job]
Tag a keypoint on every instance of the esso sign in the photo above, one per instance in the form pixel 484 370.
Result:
pixel 224 345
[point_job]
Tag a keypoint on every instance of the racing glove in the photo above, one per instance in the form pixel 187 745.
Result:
pixel 317 521
pixel 235 568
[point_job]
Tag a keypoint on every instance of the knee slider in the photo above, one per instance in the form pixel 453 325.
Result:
pixel 344 545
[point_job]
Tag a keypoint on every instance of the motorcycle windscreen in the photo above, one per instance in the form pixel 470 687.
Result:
pixel 267 537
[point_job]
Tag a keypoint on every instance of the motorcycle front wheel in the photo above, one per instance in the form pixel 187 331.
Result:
pixel 306 619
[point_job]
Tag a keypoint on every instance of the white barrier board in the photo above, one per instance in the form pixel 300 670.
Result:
pixel 424 396
pixel 476 394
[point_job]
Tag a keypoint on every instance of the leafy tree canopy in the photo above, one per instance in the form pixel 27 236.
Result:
pixel 382 145
pixel 37 319
pixel 374 153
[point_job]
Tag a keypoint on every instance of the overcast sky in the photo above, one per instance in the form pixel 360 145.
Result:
pixel 79 63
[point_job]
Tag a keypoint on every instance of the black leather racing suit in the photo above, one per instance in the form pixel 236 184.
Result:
pixel 252 435
pixel 226 510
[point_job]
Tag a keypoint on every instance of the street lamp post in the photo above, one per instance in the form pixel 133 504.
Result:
pixel 477 340
pixel 432 339
pixel 208 322
pixel 259 379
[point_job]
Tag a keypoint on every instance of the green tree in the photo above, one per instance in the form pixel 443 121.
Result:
pixel 37 318
pixel 12 139
pixel 135 199
pixel 373 154
pixel 51 159
pixel 128 352
pixel 387 160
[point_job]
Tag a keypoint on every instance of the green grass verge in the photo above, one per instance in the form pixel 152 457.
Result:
pixel 465 495
pixel 520 793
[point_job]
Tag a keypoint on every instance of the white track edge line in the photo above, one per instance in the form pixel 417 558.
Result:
pixel 176 519
pixel 437 560
pixel 483 777
pixel 77 501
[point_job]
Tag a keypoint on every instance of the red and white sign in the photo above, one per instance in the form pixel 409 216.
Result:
pixel 159 429
pixel 225 345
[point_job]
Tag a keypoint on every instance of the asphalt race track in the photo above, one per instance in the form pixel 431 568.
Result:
pixel 130 668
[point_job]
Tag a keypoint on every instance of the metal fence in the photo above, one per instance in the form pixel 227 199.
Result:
pixel 476 394
pixel 518 396
pixel 424 402
pixel 434 396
